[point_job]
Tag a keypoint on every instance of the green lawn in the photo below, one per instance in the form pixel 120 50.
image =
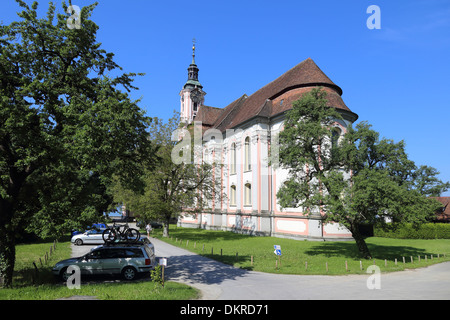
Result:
pixel 247 252
pixel 307 257
pixel 28 286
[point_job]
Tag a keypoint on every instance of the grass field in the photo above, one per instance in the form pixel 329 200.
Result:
pixel 247 252
pixel 307 257
pixel 43 286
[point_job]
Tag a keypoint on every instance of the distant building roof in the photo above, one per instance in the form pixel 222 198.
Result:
pixel 444 214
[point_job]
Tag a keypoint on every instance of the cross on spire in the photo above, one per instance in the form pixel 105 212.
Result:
pixel 193 50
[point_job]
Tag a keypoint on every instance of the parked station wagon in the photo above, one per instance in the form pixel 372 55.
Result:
pixel 127 260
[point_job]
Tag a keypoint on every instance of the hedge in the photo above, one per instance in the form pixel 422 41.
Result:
pixel 424 231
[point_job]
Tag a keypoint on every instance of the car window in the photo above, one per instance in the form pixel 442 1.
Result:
pixel 149 251
pixel 133 253
pixel 97 254
pixel 113 253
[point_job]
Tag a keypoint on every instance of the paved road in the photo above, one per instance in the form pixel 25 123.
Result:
pixel 218 281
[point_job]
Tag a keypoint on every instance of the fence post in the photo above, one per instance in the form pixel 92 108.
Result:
pixel 36 270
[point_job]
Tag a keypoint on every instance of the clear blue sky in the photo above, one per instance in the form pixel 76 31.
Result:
pixel 397 78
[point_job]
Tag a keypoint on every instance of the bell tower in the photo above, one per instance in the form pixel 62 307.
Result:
pixel 192 94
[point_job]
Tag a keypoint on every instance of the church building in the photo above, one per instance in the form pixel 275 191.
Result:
pixel 242 136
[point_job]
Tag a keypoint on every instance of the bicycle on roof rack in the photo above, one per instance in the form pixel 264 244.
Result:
pixel 120 233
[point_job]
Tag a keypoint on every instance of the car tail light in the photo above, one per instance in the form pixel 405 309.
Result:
pixel 147 262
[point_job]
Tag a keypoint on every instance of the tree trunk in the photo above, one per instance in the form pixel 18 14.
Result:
pixel 7 256
pixel 166 228
pixel 361 244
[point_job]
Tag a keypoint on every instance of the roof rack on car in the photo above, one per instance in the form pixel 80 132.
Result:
pixel 129 243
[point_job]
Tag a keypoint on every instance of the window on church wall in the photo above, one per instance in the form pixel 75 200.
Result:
pixel 247 155
pixel 233 195
pixel 335 135
pixel 247 194
pixel 195 106
pixel 233 159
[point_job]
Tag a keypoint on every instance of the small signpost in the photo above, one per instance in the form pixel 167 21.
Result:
pixel 277 251
pixel 162 263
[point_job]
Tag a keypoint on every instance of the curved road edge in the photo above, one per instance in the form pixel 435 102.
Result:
pixel 218 281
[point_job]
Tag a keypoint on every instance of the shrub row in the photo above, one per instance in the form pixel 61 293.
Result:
pixel 423 231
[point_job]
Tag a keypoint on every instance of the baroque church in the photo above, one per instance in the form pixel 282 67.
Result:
pixel 243 132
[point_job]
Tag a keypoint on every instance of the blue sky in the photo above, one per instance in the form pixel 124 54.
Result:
pixel 396 78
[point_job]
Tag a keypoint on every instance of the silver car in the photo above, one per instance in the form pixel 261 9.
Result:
pixel 93 236
pixel 126 259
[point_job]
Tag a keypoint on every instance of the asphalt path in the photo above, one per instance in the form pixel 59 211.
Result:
pixel 218 281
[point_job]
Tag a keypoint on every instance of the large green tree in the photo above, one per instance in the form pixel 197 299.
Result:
pixel 178 184
pixel 353 179
pixel 65 127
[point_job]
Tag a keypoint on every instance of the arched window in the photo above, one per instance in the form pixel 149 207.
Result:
pixel 248 194
pixel 248 156
pixel 233 195
pixel 233 159
pixel 335 135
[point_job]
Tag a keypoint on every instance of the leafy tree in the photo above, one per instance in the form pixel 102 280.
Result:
pixel 427 183
pixel 173 187
pixel 355 179
pixel 65 127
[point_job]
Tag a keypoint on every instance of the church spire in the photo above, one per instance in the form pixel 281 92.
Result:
pixel 193 71
pixel 192 94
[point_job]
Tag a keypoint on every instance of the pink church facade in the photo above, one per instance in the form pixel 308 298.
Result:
pixel 240 137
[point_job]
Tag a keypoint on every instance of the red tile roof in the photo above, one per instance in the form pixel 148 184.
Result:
pixel 266 102
pixel 443 215
pixel 208 115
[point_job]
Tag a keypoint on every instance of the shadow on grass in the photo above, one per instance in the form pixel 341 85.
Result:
pixel 231 260
pixel 350 250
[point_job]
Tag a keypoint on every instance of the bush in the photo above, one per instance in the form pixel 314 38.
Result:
pixel 409 231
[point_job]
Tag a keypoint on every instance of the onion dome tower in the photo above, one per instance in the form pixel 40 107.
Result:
pixel 192 94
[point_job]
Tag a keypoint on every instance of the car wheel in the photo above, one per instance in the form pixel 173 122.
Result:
pixel 129 273
pixel 78 242
pixel 64 275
